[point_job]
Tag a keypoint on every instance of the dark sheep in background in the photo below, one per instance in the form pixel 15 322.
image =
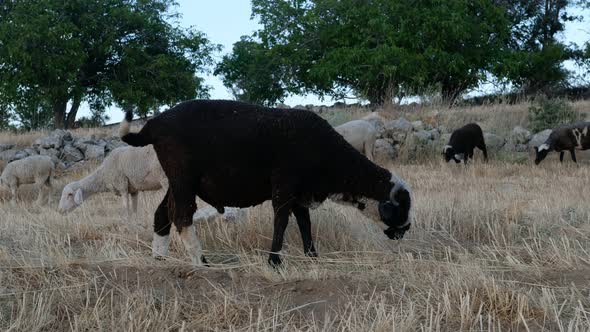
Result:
pixel 462 143
pixel 239 155
pixel 565 138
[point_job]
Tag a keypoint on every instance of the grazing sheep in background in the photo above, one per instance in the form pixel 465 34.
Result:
pixel 236 154
pixel 126 171
pixel 361 134
pixel 462 143
pixel 230 214
pixel 36 170
pixel 565 138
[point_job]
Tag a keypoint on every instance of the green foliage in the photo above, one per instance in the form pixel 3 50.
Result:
pixel 377 49
pixel 253 73
pixel 534 58
pixel 550 113
pixel 126 52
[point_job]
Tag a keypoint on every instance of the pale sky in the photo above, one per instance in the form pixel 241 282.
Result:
pixel 225 21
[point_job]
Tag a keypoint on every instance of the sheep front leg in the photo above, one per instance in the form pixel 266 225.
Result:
pixel 162 227
pixel 561 156
pixel 13 188
pixel 40 189
pixel 281 203
pixel 573 154
pixel 304 222
pixel 134 197
pixel 182 207
pixel 280 225
pixel 369 146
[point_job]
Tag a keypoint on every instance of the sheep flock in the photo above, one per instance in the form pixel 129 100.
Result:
pixel 220 178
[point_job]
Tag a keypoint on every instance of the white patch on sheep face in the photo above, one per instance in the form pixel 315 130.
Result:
pixel 192 244
pixel 446 148
pixel 460 156
pixel 160 245
pixel 543 147
pixel 401 184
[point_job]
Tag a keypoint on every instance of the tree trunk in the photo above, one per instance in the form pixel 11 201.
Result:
pixel 450 91
pixel 71 117
pixel 59 113
pixel 389 94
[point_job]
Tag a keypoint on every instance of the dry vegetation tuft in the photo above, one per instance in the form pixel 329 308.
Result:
pixel 497 246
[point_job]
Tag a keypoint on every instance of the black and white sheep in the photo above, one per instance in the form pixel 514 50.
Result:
pixel 570 138
pixel 35 169
pixel 462 143
pixel 125 171
pixel 235 154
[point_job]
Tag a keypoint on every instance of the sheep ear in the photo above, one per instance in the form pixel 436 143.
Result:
pixel 78 197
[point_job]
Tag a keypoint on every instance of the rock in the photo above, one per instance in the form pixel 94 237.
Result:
pixel 55 140
pixel 71 154
pixel 81 142
pixel 417 125
pixel 9 155
pixel 4 147
pixel 539 138
pixel 31 151
pixel 521 148
pixel 422 137
pixel 493 141
pixel 400 124
pixel 434 134
pixel 376 120
pixel 283 106
pixel 53 153
pixel 519 135
pixel 383 151
pixel 397 130
pixel 94 152
pixel 20 155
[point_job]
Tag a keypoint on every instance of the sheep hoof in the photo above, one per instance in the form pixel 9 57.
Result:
pixel 204 261
pixel 275 260
pixel 311 254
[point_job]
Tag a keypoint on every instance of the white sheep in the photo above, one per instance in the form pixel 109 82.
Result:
pixel 36 170
pixel 361 134
pixel 209 214
pixel 125 171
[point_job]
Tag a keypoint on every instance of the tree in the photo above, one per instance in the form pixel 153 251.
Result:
pixel 378 49
pixel 253 73
pixel 107 51
pixel 534 59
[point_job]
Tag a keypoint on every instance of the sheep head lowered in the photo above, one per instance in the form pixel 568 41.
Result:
pixel 541 152
pixel 449 153
pixel 71 198
pixel 395 213
pixel 392 215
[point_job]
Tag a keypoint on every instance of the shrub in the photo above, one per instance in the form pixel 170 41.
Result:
pixel 549 113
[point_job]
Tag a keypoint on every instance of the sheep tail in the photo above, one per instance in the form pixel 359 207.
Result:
pixel 133 139
pixel 126 124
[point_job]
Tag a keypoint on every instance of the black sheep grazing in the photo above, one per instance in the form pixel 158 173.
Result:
pixel 565 138
pixel 462 143
pixel 239 155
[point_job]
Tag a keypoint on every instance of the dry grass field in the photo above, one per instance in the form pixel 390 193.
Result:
pixel 493 247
